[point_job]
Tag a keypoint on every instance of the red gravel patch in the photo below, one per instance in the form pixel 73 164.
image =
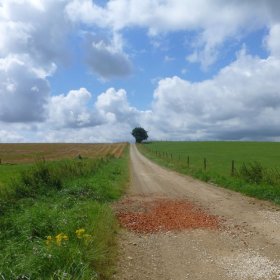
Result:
pixel 163 215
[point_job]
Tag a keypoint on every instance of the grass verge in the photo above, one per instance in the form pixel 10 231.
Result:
pixel 56 220
pixel 251 179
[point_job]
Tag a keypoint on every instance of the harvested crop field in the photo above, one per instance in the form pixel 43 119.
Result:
pixel 162 215
pixel 26 153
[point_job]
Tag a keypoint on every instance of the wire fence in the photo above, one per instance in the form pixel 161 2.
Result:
pixel 183 158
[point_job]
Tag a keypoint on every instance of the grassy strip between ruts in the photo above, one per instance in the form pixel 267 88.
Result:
pixel 243 183
pixel 56 220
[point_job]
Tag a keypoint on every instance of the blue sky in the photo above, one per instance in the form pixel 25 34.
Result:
pixel 90 71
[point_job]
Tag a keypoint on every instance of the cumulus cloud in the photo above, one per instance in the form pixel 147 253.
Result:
pixel 71 110
pixel 215 21
pixel 32 35
pixel 241 102
pixel 107 58
pixel 273 41
pixel 77 109
pixel 86 11
pixel 37 28
pixel 76 117
pixel 113 106
pixel 106 133
pixel 23 92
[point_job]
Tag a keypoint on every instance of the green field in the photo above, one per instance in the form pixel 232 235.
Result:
pixel 56 219
pixel 259 177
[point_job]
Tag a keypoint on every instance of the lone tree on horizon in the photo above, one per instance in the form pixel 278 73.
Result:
pixel 139 134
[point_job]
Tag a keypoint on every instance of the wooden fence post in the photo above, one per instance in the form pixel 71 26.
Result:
pixel 188 162
pixel 232 168
pixel 205 164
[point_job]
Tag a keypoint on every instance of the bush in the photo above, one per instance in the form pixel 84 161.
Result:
pixel 252 173
pixel 255 173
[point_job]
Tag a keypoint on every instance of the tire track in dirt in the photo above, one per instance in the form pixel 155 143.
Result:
pixel 248 246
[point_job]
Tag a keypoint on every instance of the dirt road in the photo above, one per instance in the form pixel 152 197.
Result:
pixel 247 246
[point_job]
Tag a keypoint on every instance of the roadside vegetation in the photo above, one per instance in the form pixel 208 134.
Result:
pixel 252 168
pixel 56 220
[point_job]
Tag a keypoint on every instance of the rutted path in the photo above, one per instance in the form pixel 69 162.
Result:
pixel 246 247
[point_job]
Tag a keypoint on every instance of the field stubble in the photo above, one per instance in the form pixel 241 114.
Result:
pixel 29 153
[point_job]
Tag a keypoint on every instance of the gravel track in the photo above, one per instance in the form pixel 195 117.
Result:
pixel 247 247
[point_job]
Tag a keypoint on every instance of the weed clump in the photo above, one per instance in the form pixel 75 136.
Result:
pixel 252 172
pixel 256 173
pixel 38 179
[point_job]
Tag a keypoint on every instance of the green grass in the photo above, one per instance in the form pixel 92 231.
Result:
pixel 8 171
pixel 55 198
pixel 263 183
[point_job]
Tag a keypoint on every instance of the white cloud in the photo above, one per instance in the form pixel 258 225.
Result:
pixel 86 11
pixel 215 21
pixel 113 106
pixel 77 109
pixel 7 136
pixel 37 28
pixel 107 58
pixel 241 102
pixel 71 110
pixel 32 35
pixel 106 133
pixel 273 40
pixel 23 93
pixel 158 16
pixel 73 119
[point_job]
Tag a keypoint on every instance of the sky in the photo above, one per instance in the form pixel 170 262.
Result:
pixel 92 70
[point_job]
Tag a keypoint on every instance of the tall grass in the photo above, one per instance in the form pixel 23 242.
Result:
pixel 44 176
pixel 57 223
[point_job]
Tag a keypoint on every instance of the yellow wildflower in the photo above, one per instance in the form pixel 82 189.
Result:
pixel 80 232
pixel 60 237
pixel 49 240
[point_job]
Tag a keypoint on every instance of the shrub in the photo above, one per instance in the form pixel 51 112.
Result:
pixel 252 173
pixel 257 174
